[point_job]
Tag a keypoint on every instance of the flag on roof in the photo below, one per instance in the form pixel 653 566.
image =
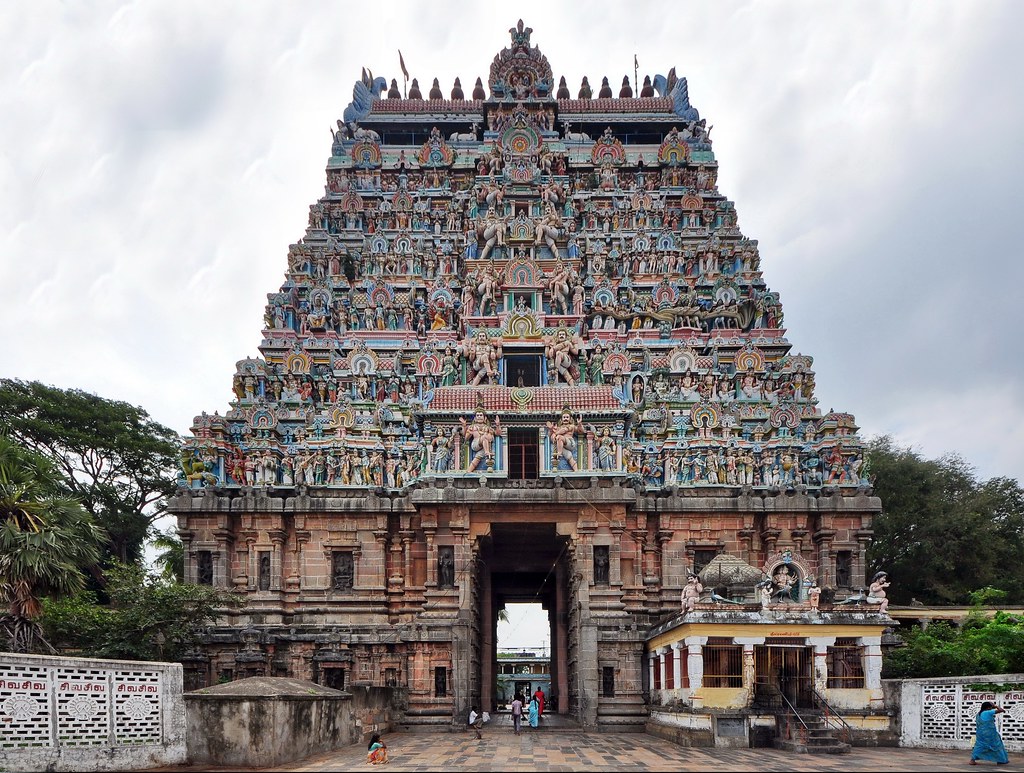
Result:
pixel 401 61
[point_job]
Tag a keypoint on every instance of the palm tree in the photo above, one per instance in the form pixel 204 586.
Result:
pixel 171 558
pixel 45 540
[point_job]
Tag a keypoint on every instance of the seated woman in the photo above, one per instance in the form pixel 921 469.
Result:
pixel 376 752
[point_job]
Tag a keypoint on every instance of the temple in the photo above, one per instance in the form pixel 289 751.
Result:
pixel 523 352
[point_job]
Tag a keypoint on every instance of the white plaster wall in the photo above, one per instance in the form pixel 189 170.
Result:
pixel 912 707
pixel 54 755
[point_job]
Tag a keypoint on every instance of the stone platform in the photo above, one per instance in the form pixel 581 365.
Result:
pixel 501 750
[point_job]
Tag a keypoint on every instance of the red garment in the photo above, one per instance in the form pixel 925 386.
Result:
pixel 539 695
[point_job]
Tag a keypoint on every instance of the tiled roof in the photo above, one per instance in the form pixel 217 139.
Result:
pixel 542 399
pixel 614 105
pixel 426 106
pixel 621 105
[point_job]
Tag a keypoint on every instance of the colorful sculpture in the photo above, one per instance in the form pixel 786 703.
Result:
pixel 524 255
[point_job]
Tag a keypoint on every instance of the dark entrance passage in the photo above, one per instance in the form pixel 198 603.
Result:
pixel 786 670
pixel 524 563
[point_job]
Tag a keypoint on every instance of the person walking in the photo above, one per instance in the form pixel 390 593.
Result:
pixel 517 714
pixel 476 721
pixel 534 712
pixel 539 695
pixel 988 745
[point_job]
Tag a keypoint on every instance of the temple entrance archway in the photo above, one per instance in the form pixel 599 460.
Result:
pixel 525 563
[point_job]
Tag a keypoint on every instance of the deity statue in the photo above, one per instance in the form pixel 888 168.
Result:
pixel 492 231
pixel 482 355
pixel 876 591
pixel 787 586
pixel 563 439
pixel 691 592
pixel 560 350
pixel 548 227
pixel 488 286
pixel 595 365
pixel 480 435
pixel 606 448
pixel 444 450
pixel 558 285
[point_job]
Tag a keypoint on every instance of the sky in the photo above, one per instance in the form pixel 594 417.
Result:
pixel 157 158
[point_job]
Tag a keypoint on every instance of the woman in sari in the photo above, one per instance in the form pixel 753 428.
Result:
pixel 376 751
pixel 534 712
pixel 987 743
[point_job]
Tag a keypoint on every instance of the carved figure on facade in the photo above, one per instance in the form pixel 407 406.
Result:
pixel 561 348
pixel 563 440
pixel 691 592
pixel 481 435
pixel 876 591
pixel 482 356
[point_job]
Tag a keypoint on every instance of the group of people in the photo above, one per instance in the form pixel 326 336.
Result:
pixel 534 710
pixel 988 745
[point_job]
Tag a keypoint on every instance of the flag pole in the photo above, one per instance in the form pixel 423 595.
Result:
pixel 636 68
pixel 405 75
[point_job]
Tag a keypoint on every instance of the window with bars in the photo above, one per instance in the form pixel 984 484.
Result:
pixel 670 671
pixel 844 568
pixel 723 663
pixel 845 663
pixel 204 567
pixel 523 453
pixel 702 557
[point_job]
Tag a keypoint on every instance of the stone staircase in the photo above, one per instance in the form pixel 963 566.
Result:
pixel 816 738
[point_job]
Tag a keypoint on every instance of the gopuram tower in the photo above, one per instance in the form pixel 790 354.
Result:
pixel 524 353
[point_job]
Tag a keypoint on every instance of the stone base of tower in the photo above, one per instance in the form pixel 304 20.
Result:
pixel 352 590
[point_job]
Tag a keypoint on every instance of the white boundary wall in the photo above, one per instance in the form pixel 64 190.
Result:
pixel 60 713
pixel 940 713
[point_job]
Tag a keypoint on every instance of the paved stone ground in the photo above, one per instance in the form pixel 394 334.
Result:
pixel 501 750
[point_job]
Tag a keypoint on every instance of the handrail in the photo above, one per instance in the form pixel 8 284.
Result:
pixel 830 713
pixel 792 710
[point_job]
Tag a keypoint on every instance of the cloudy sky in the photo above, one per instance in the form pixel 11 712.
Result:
pixel 157 158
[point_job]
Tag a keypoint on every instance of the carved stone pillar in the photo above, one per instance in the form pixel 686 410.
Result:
pixel 277 538
pixel 873 666
pixel 695 667
pixel 407 540
pixel 678 653
pixel 380 536
pixel 860 571
pixel 826 564
pixel 664 537
pixel 431 561
pixel 615 557
pixel 821 645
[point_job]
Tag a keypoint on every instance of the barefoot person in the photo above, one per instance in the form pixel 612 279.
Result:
pixel 517 714
pixel 988 745
pixel 476 721
pixel 376 751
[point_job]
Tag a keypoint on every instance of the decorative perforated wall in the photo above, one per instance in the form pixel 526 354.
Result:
pixel 79 707
pixel 948 712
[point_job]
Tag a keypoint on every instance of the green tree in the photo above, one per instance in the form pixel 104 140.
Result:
pixel 112 456
pixel 980 647
pixel 45 541
pixel 942 533
pixel 150 617
pixel 171 558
